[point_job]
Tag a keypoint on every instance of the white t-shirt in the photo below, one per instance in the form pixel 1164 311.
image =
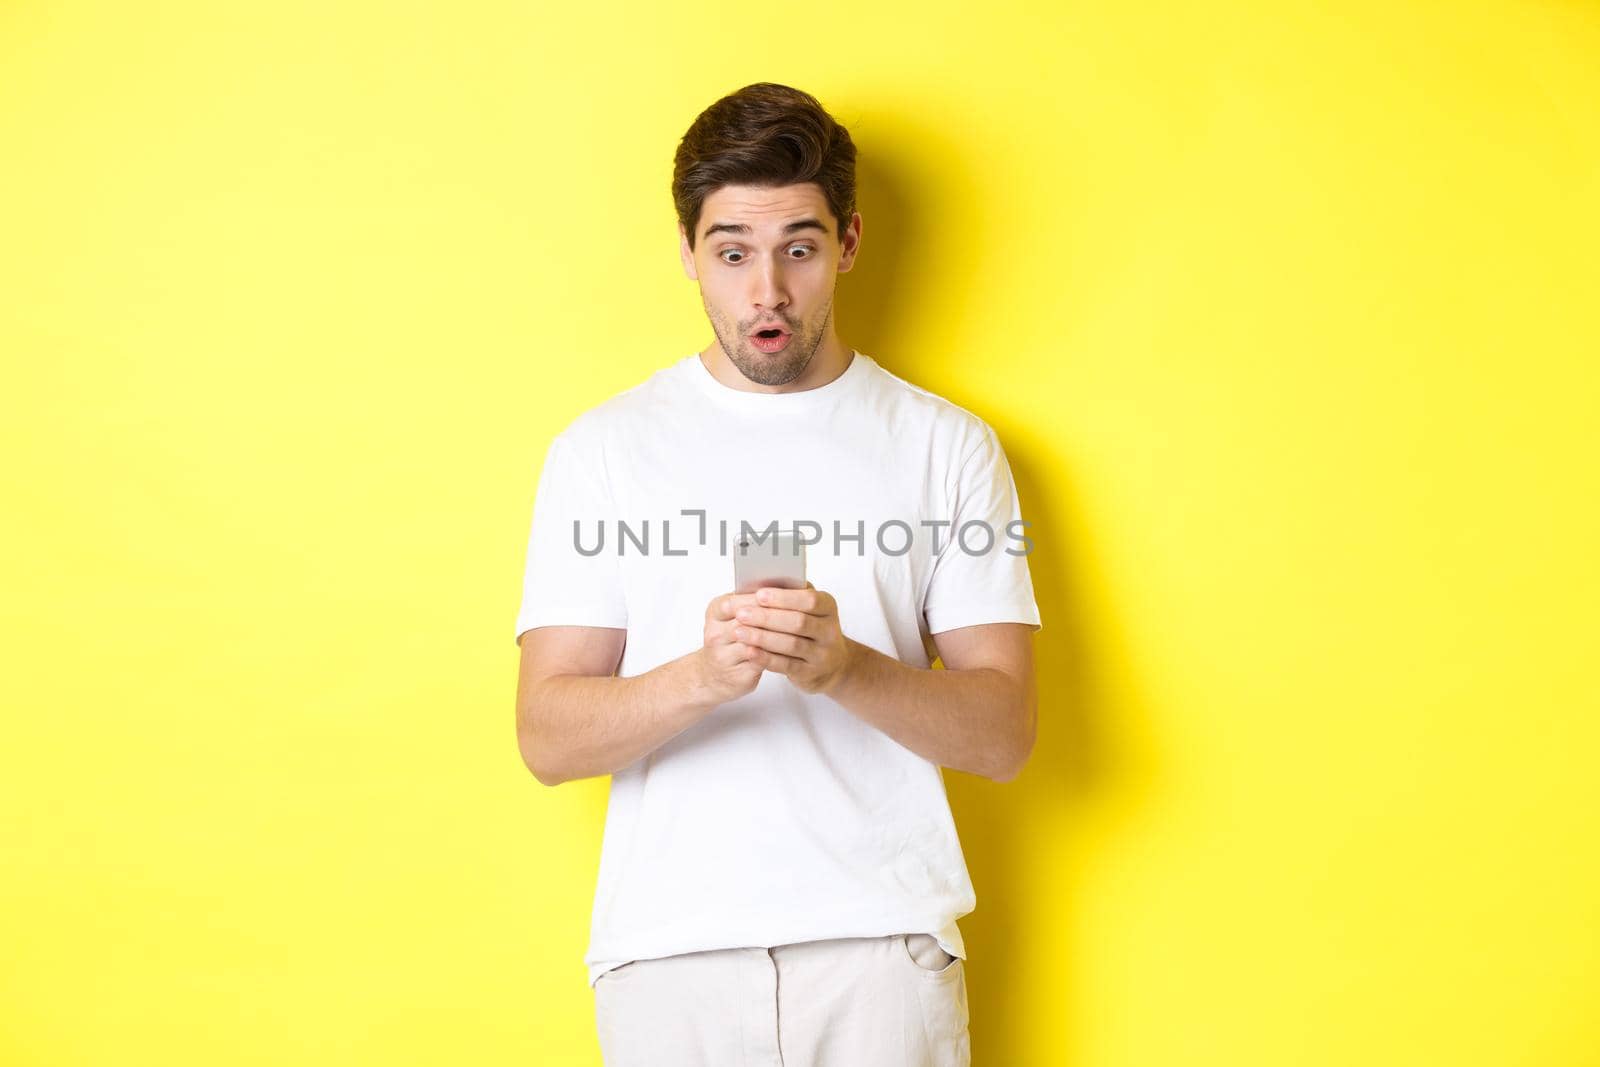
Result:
pixel 780 816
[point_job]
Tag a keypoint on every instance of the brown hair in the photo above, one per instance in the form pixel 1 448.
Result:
pixel 764 134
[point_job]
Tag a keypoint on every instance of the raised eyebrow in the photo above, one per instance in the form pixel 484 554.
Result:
pixel 742 230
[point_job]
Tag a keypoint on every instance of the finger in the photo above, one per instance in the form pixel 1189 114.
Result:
pixel 773 641
pixel 808 600
pixel 774 661
pixel 782 619
pixel 721 633
pixel 724 608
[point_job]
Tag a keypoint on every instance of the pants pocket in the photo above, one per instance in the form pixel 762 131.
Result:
pixel 940 984
pixel 927 956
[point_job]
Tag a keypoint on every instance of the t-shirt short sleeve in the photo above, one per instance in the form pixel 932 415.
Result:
pixel 561 584
pixel 980 574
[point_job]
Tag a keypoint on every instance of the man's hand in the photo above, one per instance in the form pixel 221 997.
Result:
pixel 794 632
pixel 728 667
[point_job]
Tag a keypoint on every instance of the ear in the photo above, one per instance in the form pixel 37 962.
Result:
pixel 684 254
pixel 851 244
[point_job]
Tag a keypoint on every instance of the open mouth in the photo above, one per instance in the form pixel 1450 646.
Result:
pixel 772 339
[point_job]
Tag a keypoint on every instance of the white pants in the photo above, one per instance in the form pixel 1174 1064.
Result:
pixel 895 1001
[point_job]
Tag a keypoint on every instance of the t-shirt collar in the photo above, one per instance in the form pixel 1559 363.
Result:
pixel 764 403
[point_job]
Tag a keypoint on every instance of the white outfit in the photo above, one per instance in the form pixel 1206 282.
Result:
pixel 780 817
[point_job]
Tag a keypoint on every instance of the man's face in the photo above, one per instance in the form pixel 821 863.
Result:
pixel 766 259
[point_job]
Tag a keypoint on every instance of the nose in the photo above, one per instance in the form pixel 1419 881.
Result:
pixel 771 294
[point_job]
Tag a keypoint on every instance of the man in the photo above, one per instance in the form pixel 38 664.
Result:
pixel 780 875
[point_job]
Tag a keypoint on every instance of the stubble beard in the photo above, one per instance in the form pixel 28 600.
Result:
pixel 778 368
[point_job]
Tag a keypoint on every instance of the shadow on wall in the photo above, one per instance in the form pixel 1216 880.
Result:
pixel 1071 763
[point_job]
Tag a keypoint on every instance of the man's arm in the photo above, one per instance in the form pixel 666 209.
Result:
pixel 576 720
pixel 978 715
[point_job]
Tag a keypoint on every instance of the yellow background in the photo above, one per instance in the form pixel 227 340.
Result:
pixel 1286 316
